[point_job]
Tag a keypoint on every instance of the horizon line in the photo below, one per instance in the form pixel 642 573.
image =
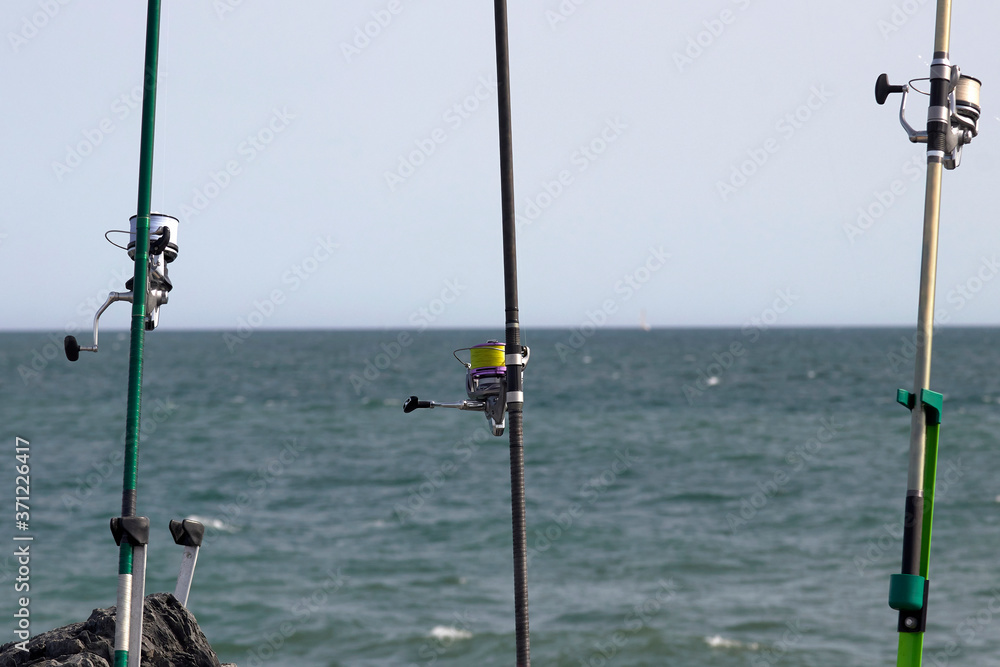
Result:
pixel 363 328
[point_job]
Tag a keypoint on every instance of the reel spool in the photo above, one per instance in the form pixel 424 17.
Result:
pixel 487 374
pixel 485 384
pixel 162 229
pixel 486 381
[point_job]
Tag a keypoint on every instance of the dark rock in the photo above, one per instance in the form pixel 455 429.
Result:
pixel 170 637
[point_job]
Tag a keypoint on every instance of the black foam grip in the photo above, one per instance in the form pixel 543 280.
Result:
pixel 913 525
pixel 414 403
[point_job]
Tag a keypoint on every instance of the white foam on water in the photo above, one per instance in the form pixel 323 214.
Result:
pixel 718 641
pixel 216 524
pixel 712 381
pixel 443 633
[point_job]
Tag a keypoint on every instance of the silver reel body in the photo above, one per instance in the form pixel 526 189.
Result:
pixel 162 251
pixel 485 385
pixel 962 113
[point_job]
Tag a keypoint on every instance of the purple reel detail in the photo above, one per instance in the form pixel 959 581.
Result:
pixel 481 383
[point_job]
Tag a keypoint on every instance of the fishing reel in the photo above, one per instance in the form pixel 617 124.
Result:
pixel 485 383
pixel 961 114
pixel 162 251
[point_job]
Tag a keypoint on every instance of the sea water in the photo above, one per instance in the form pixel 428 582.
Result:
pixel 694 497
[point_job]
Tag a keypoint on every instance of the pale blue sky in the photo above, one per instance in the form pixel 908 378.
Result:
pixel 283 131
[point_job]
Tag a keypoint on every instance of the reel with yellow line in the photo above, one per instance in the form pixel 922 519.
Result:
pixel 485 383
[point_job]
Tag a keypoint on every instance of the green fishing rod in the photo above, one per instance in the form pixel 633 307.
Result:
pixel 952 121
pixel 495 371
pixel 132 532
pixel 152 246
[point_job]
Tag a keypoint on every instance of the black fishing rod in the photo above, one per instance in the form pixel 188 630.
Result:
pixel 514 359
pixel 952 121
pixel 495 371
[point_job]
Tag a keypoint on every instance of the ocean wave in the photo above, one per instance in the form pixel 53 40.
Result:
pixel 718 641
pixel 448 633
pixel 215 524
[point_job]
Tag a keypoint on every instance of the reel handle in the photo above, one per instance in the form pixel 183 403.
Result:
pixel 72 348
pixel 414 403
pixel 883 88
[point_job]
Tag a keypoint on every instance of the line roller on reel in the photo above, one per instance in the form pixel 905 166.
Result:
pixel 485 383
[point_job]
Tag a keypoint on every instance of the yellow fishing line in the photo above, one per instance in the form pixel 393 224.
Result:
pixel 483 356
